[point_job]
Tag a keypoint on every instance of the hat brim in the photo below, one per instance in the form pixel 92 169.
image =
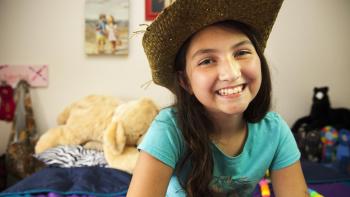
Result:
pixel 167 33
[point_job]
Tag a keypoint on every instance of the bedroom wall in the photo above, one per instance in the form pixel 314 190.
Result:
pixel 308 47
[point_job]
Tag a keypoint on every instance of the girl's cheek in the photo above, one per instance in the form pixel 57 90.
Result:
pixel 202 79
pixel 252 70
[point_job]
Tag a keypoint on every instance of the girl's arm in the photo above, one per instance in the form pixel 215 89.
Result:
pixel 150 177
pixel 289 181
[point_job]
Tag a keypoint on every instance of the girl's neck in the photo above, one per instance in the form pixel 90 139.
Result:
pixel 231 134
pixel 228 125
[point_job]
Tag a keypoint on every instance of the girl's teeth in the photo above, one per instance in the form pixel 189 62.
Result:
pixel 229 91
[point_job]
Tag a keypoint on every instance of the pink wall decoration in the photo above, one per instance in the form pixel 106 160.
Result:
pixel 35 75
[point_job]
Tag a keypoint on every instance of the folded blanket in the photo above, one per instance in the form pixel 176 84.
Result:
pixel 90 181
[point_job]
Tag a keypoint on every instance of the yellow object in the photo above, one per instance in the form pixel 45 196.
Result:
pixel 264 188
pixel 103 123
pixel 313 193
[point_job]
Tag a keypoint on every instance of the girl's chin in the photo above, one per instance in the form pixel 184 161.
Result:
pixel 235 110
pixel 234 113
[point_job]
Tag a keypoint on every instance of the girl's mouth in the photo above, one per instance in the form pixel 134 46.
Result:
pixel 231 90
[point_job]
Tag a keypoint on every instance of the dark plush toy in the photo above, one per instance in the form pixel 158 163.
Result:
pixel 313 147
pixel 309 144
pixel 322 114
pixel 337 117
pixel 343 148
pixel 343 151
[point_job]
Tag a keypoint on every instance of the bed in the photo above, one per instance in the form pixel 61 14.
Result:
pixel 72 171
pixel 68 177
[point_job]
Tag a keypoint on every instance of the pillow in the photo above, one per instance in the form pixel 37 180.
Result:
pixel 67 156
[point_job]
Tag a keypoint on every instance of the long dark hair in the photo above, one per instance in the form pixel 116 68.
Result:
pixel 196 124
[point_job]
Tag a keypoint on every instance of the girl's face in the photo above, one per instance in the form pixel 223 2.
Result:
pixel 223 70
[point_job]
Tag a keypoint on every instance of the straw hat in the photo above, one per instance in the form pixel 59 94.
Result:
pixel 164 37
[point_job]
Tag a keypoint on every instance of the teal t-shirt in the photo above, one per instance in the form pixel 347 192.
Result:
pixel 269 145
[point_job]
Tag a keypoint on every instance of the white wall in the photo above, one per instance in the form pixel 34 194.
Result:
pixel 309 46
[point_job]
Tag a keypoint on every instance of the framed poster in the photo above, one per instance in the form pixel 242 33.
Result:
pixel 106 27
pixel 153 7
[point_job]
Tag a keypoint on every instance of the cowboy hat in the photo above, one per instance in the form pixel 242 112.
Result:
pixel 176 23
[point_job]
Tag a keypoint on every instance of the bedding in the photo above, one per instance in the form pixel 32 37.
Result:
pixel 337 189
pixel 76 181
pixel 72 156
pixel 69 177
pixel 325 179
pixel 72 170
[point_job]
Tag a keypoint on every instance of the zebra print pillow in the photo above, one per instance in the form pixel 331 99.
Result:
pixel 72 156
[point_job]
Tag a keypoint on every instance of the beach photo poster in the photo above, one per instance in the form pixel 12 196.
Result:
pixel 106 27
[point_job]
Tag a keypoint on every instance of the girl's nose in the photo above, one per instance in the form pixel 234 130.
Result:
pixel 229 70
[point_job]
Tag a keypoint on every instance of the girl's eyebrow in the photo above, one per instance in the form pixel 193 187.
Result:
pixel 242 43
pixel 202 51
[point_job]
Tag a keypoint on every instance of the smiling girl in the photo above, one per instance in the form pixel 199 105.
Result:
pixel 219 138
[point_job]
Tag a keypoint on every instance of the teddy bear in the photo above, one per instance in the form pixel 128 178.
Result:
pixel 318 116
pixel 322 114
pixel 103 123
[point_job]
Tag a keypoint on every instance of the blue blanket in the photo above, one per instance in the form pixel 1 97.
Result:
pixel 93 181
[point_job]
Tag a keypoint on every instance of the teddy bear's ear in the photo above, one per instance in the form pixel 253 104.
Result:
pixel 326 89
pixel 120 137
pixel 114 138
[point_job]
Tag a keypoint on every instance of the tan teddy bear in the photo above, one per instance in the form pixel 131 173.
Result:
pixel 103 123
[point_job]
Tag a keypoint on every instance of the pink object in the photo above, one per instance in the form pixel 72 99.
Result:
pixel 264 188
pixel 35 75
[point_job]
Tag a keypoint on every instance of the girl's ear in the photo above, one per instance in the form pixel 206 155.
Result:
pixel 182 78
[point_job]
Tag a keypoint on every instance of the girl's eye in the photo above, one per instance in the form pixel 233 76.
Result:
pixel 241 53
pixel 205 62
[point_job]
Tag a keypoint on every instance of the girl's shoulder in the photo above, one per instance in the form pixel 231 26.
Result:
pixel 271 122
pixel 167 114
pixel 166 118
pixel 163 140
pixel 272 117
pixel 270 131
